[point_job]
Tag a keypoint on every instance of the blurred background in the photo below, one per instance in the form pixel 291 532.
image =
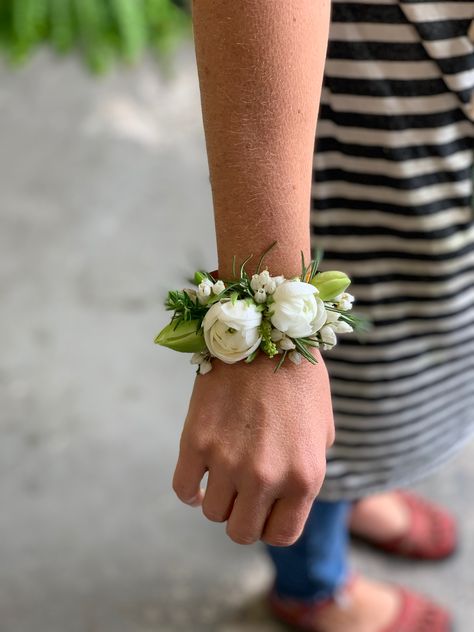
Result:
pixel 105 203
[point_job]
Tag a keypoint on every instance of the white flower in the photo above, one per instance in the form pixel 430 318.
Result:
pixel 270 286
pixel 328 336
pixel 261 281
pixel 231 330
pixel 297 311
pixel 278 280
pixel 260 296
pixel 205 367
pixel 295 357
pixel 197 358
pixel 341 327
pixel 344 301
pixel 218 287
pixel 204 290
pixel 286 344
pixel 204 362
pixel 332 316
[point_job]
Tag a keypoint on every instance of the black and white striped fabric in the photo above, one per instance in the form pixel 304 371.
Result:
pixel 392 205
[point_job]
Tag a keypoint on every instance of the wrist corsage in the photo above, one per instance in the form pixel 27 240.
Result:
pixel 236 319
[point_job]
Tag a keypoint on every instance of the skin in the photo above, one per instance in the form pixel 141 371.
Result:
pixel 261 436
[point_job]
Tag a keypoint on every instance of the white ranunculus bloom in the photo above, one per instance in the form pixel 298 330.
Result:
pixel 297 311
pixel 231 330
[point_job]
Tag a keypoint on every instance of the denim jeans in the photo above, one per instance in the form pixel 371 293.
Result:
pixel 315 566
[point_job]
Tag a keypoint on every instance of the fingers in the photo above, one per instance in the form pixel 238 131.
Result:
pixel 286 520
pixel 188 474
pixel 219 497
pixel 249 513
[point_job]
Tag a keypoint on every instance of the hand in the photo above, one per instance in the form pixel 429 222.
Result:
pixel 262 436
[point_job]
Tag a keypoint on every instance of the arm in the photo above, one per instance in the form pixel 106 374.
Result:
pixel 261 436
pixel 260 66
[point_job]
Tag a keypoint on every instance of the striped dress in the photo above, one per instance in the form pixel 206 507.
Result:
pixel 392 205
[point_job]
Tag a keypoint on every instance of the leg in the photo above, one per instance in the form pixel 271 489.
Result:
pixel 316 565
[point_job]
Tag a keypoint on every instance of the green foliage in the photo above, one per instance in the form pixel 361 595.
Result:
pixel 103 31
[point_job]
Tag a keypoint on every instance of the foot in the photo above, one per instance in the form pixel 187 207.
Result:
pixel 405 524
pixel 366 606
pixel 380 517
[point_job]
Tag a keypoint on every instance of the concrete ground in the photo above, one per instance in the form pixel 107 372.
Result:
pixel 104 203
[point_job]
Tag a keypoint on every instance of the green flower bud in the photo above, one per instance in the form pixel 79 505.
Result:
pixel 186 337
pixel 330 284
pixel 199 277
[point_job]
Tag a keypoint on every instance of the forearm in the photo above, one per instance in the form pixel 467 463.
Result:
pixel 260 66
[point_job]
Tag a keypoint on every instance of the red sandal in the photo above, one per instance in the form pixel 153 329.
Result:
pixel 416 612
pixel 431 535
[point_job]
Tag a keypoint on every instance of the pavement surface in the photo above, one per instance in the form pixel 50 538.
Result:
pixel 104 203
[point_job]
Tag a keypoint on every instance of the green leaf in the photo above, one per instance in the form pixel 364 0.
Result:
pixel 280 361
pixel 304 351
pixel 265 253
pixel 130 19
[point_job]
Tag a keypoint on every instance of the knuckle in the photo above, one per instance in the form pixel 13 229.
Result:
pixel 199 444
pixel 307 482
pixel 263 477
pixel 224 460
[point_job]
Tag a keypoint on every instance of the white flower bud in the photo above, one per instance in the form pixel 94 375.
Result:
pixel 255 282
pixel 341 327
pixel 328 335
pixel 286 344
pixel 344 300
pixel 332 316
pixel 197 358
pixel 295 357
pixel 276 335
pixel 205 367
pixel 264 277
pixel 204 290
pixel 218 287
pixel 260 296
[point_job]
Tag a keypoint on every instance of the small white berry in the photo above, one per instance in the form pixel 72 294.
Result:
pixel 255 282
pixel 286 344
pixel 270 286
pixel 295 357
pixel 260 296
pixel 276 335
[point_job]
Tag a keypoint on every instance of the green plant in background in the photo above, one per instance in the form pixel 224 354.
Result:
pixel 102 30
